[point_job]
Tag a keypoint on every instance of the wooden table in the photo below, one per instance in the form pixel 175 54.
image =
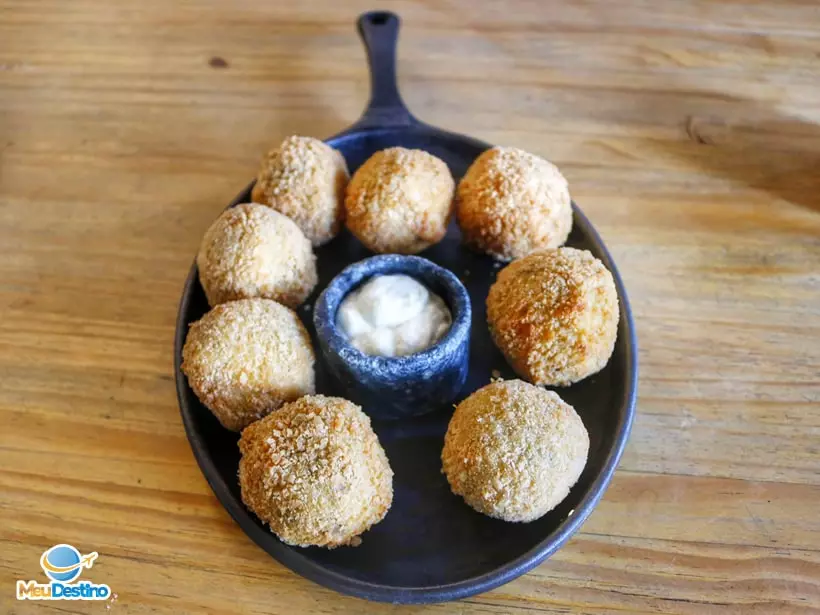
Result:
pixel 690 133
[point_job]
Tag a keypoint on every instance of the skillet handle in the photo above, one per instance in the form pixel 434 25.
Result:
pixel 380 32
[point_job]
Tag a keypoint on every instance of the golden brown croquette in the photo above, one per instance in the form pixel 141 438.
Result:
pixel 554 315
pixel 513 450
pixel 314 471
pixel 245 358
pixel 305 180
pixel 400 200
pixel 253 251
pixel 511 203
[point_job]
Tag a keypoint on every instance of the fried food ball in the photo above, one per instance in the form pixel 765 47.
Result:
pixel 254 251
pixel 246 358
pixel 511 203
pixel 400 200
pixel 513 450
pixel 314 471
pixel 554 315
pixel 305 179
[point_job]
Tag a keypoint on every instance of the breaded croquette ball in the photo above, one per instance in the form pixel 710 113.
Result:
pixel 314 471
pixel 305 179
pixel 254 251
pixel 554 315
pixel 511 203
pixel 400 200
pixel 245 358
pixel 513 450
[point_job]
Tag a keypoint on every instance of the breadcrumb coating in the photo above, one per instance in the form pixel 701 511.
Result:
pixel 511 203
pixel 254 251
pixel 513 450
pixel 246 358
pixel 554 315
pixel 400 200
pixel 314 471
pixel 305 179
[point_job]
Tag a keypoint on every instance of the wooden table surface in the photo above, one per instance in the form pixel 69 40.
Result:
pixel 690 134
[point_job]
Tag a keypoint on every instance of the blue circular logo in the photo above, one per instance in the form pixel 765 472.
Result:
pixel 62 563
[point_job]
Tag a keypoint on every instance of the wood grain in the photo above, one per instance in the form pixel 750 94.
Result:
pixel 690 133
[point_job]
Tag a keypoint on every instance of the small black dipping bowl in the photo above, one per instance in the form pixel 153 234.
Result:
pixel 397 387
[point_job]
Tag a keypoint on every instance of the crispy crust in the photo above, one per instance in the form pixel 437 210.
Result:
pixel 554 315
pixel 254 251
pixel 511 203
pixel 513 451
pixel 305 179
pixel 314 471
pixel 245 358
pixel 400 200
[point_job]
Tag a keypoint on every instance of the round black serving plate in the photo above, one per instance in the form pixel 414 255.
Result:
pixel 431 546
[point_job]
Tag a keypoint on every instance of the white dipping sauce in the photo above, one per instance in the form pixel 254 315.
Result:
pixel 392 316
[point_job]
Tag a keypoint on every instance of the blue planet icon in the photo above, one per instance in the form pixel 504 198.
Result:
pixel 62 563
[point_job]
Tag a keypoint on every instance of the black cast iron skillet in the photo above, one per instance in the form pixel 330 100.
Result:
pixel 431 547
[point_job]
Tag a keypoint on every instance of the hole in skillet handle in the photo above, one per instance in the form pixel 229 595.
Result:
pixel 379 18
